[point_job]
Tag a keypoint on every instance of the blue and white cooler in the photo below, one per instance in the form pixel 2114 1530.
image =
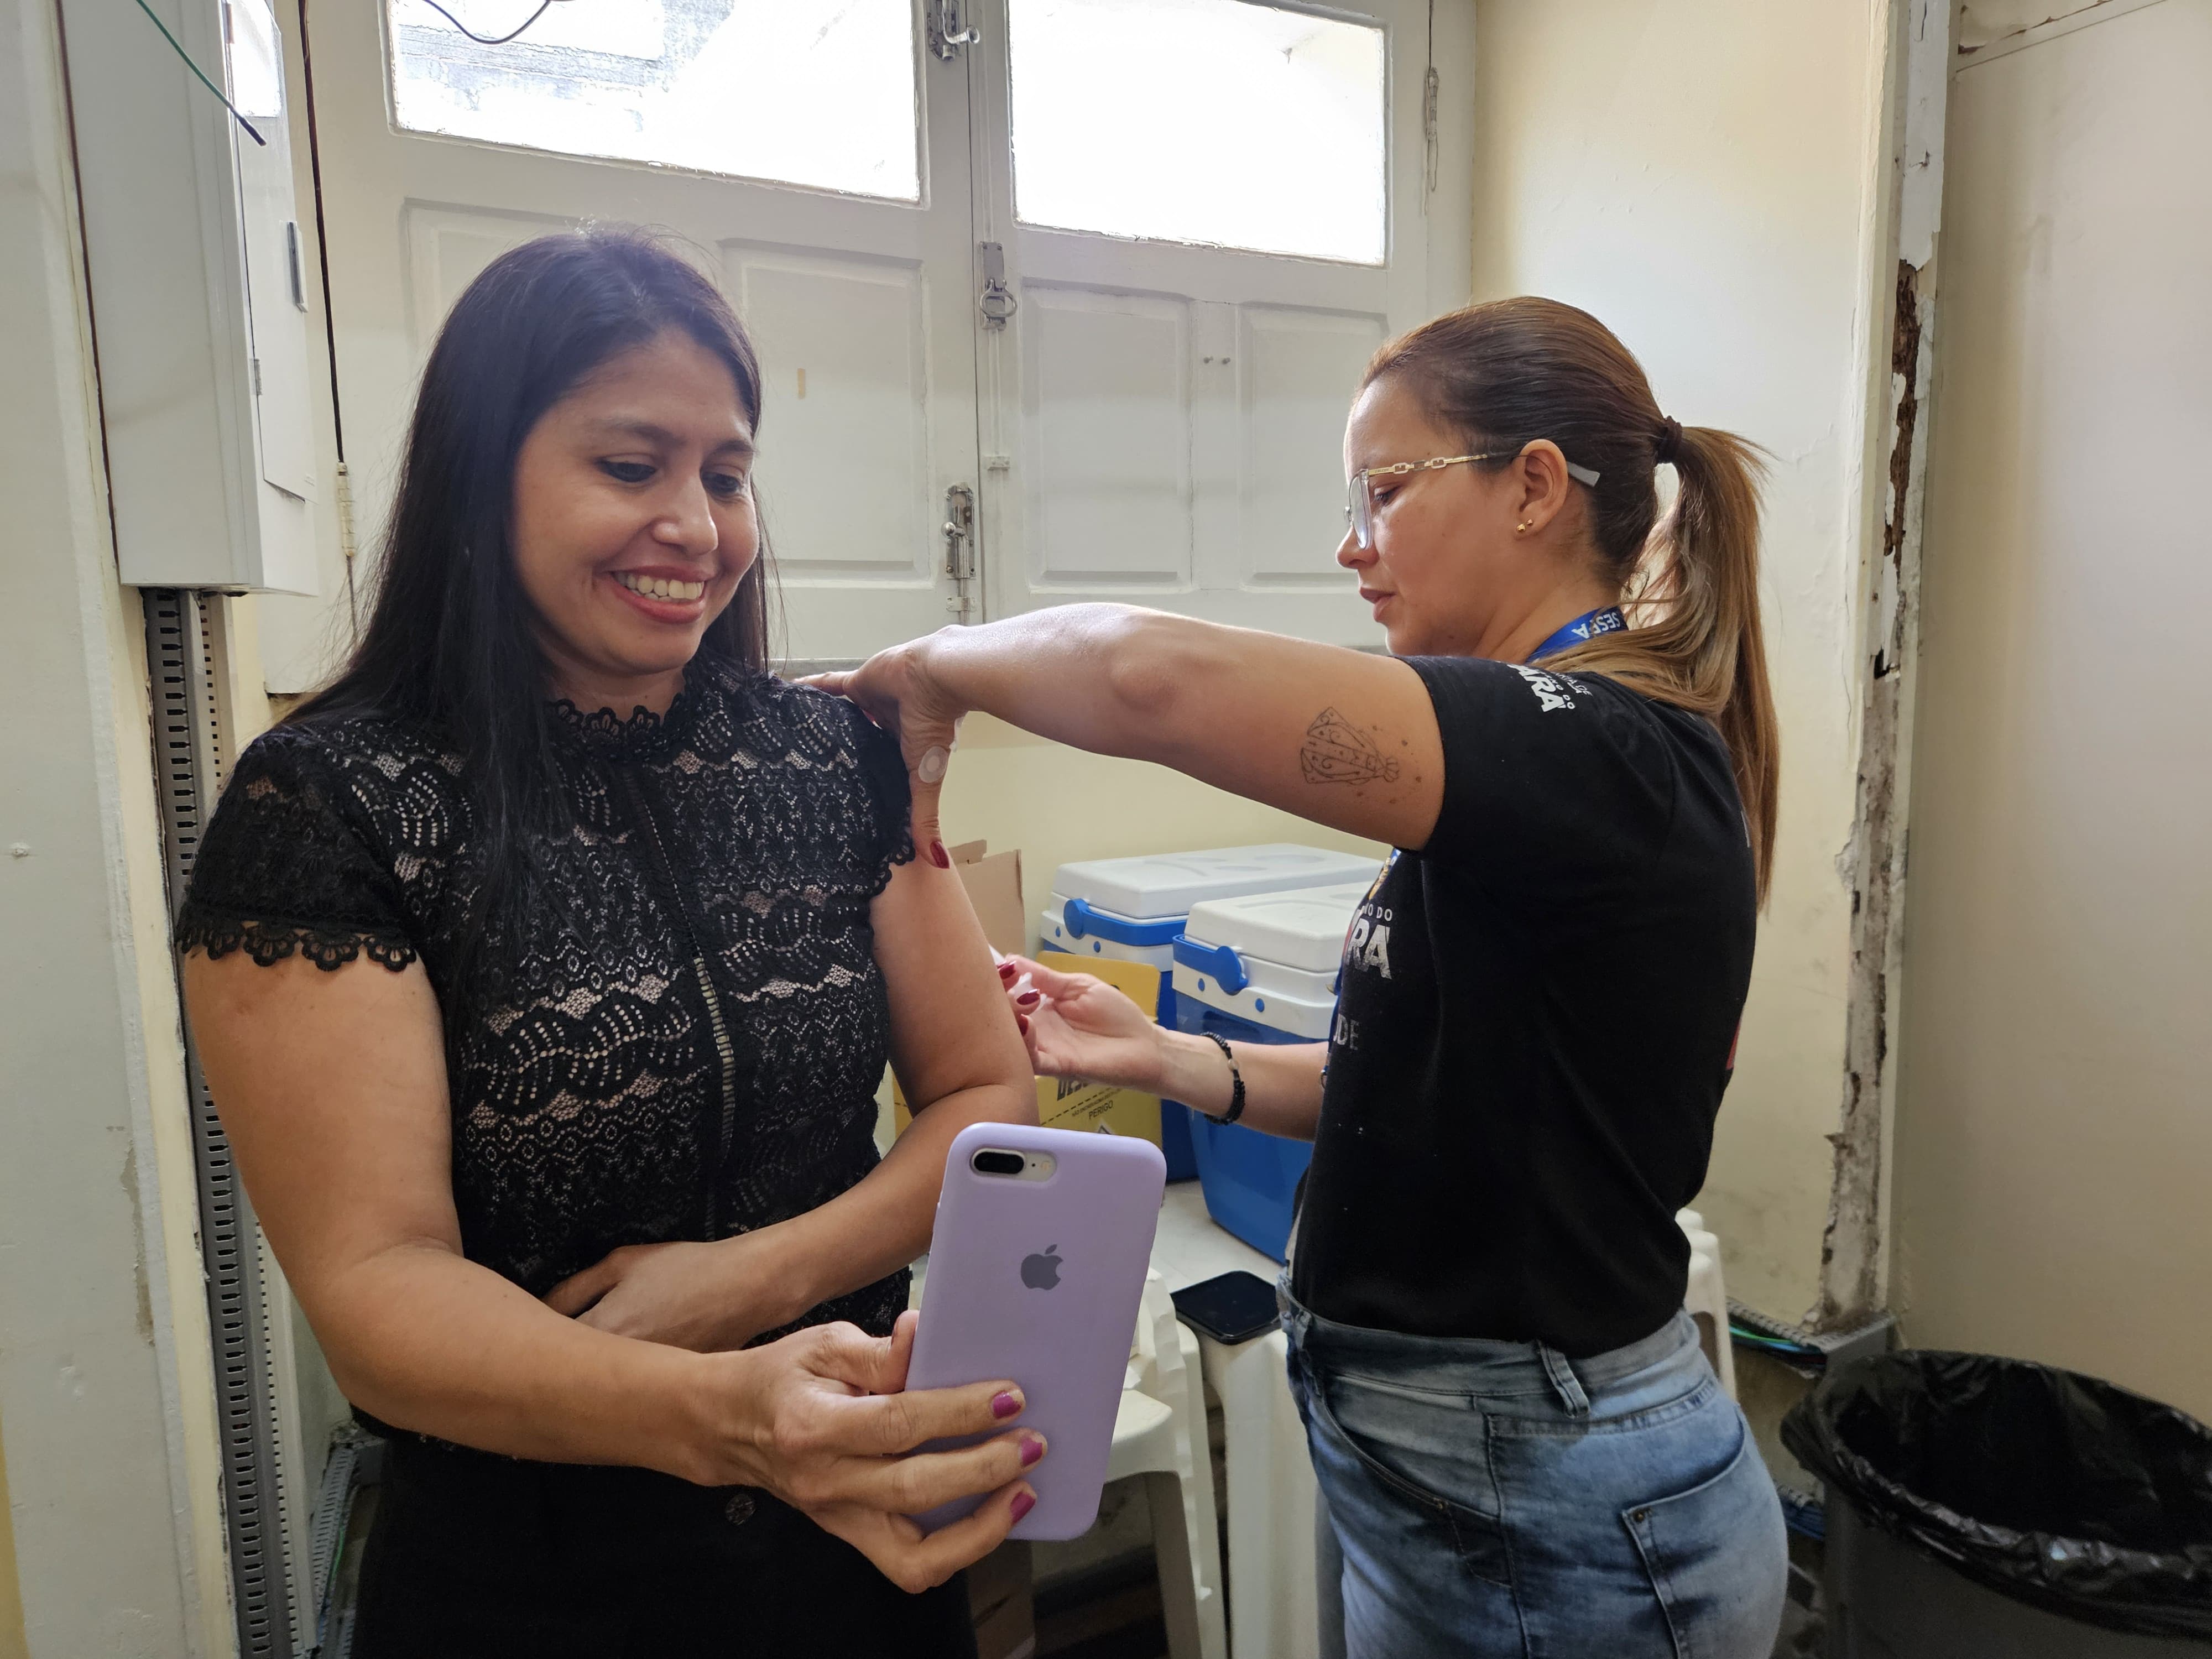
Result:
pixel 1133 908
pixel 1260 969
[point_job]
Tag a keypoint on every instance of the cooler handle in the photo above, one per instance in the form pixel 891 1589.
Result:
pixel 1081 921
pixel 1219 960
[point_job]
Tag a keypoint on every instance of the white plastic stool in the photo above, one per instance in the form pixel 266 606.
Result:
pixel 1271 1495
pixel 1160 1434
pixel 1706 1300
pixel 1268 1478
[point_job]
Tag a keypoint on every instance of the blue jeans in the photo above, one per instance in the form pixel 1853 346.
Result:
pixel 1487 1498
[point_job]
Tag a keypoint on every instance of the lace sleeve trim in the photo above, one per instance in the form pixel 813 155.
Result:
pixel 890 794
pixel 329 945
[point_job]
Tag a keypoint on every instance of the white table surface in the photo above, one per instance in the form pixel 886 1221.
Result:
pixel 1189 1247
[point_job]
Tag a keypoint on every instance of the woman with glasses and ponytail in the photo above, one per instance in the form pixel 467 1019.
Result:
pixel 1519 1443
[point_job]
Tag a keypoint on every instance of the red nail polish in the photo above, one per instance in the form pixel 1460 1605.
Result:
pixel 1006 972
pixel 1022 1024
pixel 1005 1405
pixel 1023 1503
pixel 1032 1448
pixel 1028 1000
pixel 938 856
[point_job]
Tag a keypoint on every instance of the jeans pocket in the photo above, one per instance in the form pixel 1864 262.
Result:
pixel 1718 1558
pixel 1370 1485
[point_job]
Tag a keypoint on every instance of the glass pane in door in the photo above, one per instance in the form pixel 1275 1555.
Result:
pixel 1207 121
pixel 817 95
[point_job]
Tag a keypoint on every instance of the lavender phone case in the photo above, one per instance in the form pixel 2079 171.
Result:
pixel 1039 1281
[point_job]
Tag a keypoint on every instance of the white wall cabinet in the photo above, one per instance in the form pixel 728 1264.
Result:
pixel 199 318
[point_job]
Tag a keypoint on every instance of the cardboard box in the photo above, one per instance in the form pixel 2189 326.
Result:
pixel 1074 1104
pixel 994 887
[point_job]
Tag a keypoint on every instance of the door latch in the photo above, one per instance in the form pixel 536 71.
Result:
pixel 947 32
pixel 960 549
pixel 997 301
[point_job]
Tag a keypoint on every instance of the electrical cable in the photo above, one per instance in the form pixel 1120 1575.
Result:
pixel 486 40
pixel 203 81
pixel 330 331
pixel 1802 1352
pixel 1430 117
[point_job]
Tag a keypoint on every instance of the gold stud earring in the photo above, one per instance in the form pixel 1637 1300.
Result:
pixel 1521 528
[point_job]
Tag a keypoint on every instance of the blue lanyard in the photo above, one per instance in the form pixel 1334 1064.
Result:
pixel 1582 630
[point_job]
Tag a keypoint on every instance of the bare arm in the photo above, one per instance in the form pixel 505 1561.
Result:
pixel 1282 1081
pixel 332 1091
pixel 1341 736
pixel 1079 1026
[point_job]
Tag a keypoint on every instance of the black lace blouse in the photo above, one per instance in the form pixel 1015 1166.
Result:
pixel 682 1038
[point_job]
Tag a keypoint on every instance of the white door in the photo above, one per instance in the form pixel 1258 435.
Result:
pixel 1209 213
pixel 818 160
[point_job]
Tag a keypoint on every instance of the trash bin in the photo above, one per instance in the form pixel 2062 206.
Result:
pixel 1133 908
pixel 1979 1507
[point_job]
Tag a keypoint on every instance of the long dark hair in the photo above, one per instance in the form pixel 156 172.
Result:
pixel 1507 372
pixel 451 643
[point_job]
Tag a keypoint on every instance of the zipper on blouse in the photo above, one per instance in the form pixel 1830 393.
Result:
pixel 725 1050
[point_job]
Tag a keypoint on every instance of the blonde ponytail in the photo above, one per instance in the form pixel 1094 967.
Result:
pixel 1505 373
pixel 1694 637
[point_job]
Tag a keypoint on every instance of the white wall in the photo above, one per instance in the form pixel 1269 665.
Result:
pixel 2054 1147
pixel 107 1415
pixel 1704 177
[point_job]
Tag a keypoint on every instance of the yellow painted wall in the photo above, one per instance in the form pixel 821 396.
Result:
pixel 13 1643
pixel 111 1539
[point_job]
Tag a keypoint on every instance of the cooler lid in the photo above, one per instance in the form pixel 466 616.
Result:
pixel 1304 929
pixel 1164 884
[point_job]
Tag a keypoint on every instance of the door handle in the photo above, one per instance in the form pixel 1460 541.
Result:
pixel 997 301
pixel 960 550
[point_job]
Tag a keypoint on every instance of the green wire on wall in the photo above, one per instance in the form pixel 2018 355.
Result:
pixel 201 77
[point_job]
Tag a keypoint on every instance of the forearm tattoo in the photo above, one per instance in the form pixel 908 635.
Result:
pixel 1337 751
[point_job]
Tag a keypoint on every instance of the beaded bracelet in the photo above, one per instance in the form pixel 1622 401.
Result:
pixel 1236 1081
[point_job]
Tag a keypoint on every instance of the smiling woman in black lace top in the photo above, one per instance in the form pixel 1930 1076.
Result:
pixel 547 1035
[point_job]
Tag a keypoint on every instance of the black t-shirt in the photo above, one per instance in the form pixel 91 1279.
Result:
pixel 1536 1022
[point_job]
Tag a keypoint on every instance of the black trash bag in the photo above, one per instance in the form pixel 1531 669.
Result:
pixel 2057 1490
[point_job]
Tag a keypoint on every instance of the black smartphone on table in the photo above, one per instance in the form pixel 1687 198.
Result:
pixel 1230 1307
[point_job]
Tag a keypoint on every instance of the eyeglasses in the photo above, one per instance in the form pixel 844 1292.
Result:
pixel 1359 505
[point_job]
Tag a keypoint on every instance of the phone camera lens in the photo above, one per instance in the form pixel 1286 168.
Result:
pixel 999 1164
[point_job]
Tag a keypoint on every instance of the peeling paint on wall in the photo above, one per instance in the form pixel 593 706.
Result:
pixel 1984 22
pixel 1851 1263
pixel 1854 1256
pixel 1994 28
